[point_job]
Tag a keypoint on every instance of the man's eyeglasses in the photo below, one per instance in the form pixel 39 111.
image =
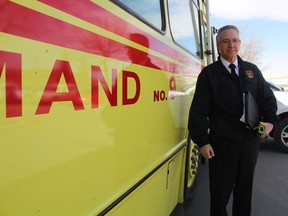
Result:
pixel 234 41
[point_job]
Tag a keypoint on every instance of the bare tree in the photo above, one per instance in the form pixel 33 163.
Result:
pixel 252 47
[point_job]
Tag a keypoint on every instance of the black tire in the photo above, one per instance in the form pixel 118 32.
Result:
pixel 281 135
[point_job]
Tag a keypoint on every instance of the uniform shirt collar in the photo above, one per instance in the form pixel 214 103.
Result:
pixel 226 63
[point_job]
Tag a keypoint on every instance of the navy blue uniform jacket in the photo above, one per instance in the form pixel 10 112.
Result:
pixel 217 105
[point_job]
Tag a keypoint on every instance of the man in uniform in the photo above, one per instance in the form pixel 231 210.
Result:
pixel 217 123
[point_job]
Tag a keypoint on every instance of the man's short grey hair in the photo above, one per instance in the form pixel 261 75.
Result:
pixel 219 35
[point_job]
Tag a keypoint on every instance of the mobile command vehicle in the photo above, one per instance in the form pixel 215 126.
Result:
pixel 94 101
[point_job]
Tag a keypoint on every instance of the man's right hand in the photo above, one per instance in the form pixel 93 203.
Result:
pixel 207 151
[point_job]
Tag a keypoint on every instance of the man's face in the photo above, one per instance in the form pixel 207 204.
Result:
pixel 229 45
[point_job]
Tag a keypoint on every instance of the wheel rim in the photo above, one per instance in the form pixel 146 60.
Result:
pixel 193 164
pixel 284 136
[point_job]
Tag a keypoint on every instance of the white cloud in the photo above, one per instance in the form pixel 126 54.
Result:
pixel 250 9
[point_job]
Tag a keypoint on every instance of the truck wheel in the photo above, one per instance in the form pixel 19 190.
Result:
pixel 281 135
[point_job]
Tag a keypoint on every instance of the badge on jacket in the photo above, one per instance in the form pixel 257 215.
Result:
pixel 249 73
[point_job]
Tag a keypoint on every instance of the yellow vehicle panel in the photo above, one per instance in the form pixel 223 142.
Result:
pixel 80 122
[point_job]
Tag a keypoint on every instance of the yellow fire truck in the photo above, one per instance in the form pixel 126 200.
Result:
pixel 94 101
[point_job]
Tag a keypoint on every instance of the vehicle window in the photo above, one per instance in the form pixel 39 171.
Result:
pixel 147 10
pixel 184 23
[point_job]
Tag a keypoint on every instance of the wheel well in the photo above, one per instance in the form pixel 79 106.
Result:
pixel 283 115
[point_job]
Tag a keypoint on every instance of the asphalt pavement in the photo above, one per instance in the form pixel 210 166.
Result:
pixel 270 192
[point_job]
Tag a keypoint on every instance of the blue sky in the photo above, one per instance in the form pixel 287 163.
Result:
pixel 264 19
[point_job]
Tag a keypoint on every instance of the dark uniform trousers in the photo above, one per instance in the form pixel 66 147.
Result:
pixel 232 169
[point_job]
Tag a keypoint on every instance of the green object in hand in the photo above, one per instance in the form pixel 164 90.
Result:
pixel 260 130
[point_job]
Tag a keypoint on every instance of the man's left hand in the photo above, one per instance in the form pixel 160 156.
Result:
pixel 268 128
